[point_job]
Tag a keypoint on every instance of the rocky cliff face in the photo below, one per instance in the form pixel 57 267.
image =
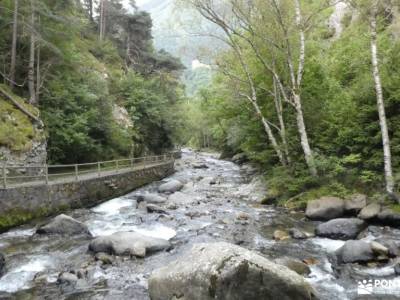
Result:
pixel 22 137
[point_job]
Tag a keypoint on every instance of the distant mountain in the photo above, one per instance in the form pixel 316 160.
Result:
pixel 177 31
pixel 172 31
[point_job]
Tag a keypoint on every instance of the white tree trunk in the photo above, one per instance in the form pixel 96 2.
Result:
pixel 303 136
pixel 305 144
pixel 387 157
pixel 14 45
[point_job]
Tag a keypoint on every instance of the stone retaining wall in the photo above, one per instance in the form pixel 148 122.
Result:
pixel 21 204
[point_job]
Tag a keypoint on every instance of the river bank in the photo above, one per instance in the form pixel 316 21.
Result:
pixel 218 203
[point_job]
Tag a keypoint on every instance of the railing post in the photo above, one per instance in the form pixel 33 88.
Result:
pixel 131 162
pixel 76 173
pixel 99 168
pixel 117 165
pixel 5 175
pixel 46 173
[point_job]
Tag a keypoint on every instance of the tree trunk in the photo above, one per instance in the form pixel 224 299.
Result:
pixel 90 8
pixel 14 45
pixel 303 135
pixel 38 75
pixel 31 67
pixel 387 157
pixel 282 126
pixel 102 20
pixel 269 132
pixel 296 87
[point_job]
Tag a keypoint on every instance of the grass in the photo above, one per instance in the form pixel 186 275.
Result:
pixel 16 129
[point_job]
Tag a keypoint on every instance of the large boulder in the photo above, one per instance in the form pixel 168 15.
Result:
pixel 171 186
pixel 128 243
pixel 369 212
pixel 226 272
pixel 389 217
pixel 355 251
pixel 355 203
pixel 341 229
pixel 64 225
pixel 151 198
pixel 325 208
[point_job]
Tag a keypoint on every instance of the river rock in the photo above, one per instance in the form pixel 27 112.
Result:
pixel 379 249
pixel 152 208
pixel 355 251
pixel 325 208
pixel 295 265
pixel 200 166
pixel 171 186
pixel 151 198
pixel 340 229
pixel 355 203
pixel 2 264
pixel 64 225
pixel 105 258
pixel 280 235
pixel 389 217
pixel 67 278
pixel 239 158
pixel 226 272
pixel 371 211
pixel 297 234
pixel 128 243
pixel 391 245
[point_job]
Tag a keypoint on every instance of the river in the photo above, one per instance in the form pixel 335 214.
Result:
pixel 217 203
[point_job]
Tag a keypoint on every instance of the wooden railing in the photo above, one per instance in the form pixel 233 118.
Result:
pixel 12 175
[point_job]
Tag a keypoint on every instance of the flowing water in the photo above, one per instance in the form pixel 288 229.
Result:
pixel 209 208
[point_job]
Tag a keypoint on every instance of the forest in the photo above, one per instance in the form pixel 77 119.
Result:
pixel 91 70
pixel 308 90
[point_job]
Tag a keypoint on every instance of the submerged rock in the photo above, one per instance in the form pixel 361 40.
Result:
pixel 280 235
pixel 355 251
pixel 200 166
pixel 340 229
pixel 226 272
pixel 295 265
pixel 64 225
pixel 152 208
pixel 325 208
pixel 171 186
pixel 67 278
pixel 370 211
pixel 151 198
pixel 128 243
pixel 105 258
pixel 298 234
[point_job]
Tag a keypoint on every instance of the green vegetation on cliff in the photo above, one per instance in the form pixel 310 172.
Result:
pixel 100 95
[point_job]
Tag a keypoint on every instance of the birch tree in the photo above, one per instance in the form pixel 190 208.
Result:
pixel 387 156
pixel 210 12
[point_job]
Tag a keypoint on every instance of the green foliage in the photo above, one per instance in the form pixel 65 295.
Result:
pixel 338 99
pixel 86 82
